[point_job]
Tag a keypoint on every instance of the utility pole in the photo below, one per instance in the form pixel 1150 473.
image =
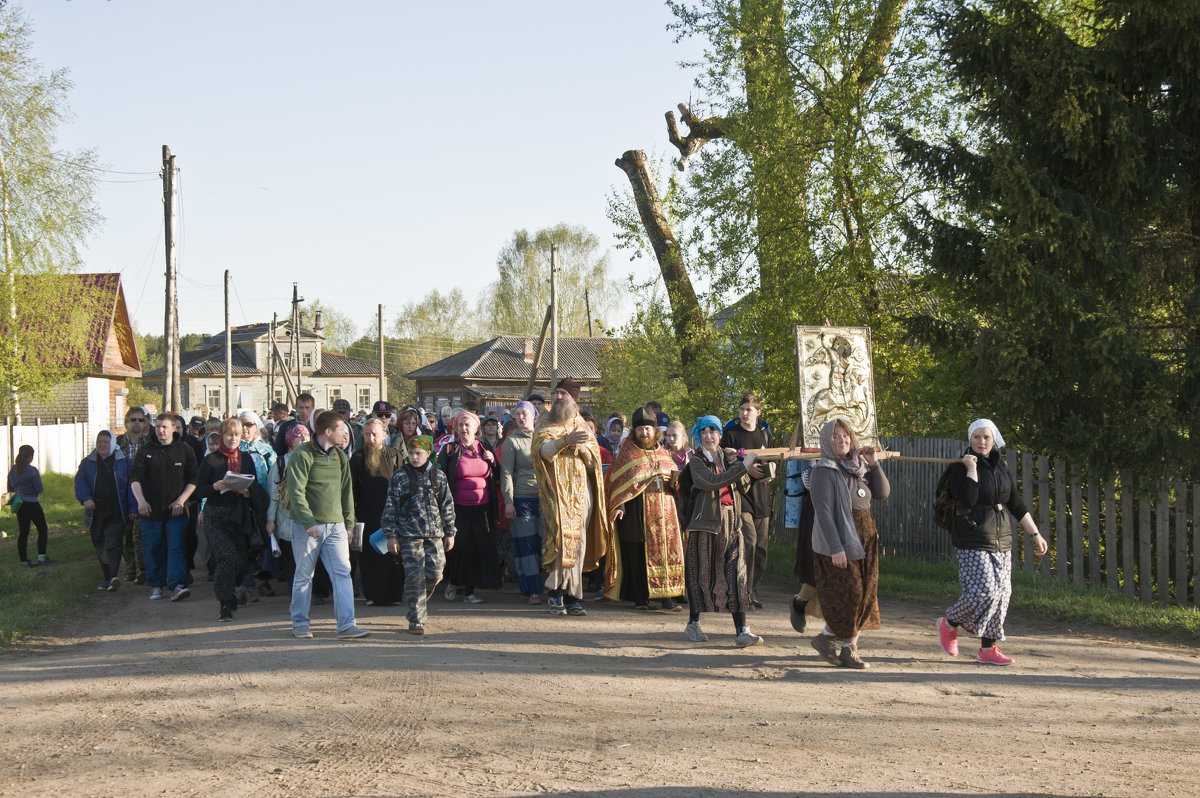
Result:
pixel 228 354
pixel 271 360
pixel 553 316
pixel 296 300
pixel 587 301
pixel 171 389
pixel 382 378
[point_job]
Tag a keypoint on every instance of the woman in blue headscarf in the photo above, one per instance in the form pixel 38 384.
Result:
pixel 713 560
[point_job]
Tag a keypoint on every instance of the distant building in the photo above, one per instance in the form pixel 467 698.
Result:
pixel 104 355
pixel 257 384
pixel 495 373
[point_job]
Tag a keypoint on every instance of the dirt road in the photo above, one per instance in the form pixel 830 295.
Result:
pixel 147 698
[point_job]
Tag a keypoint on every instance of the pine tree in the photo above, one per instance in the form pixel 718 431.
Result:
pixel 1067 234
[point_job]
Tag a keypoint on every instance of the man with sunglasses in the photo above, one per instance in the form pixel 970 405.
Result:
pixel 137 430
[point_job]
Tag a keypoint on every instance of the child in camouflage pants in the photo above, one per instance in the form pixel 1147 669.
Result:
pixel 417 517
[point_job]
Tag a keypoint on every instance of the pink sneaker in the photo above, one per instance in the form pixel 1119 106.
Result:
pixel 993 656
pixel 535 599
pixel 948 636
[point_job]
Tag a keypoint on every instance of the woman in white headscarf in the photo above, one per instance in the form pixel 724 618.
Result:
pixel 984 493
pixel 845 542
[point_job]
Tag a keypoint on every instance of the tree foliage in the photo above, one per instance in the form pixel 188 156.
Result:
pixel 1075 247
pixel 339 328
pixel 47 208
pixel 516 302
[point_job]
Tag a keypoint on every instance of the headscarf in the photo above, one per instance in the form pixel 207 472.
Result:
pixel 233 457
pixel 997 438
pixel 852 463
pixel 296 432
pixel 471 416
pixel 528 406
pixel 703 423
pixel 252 417
pixel 421 442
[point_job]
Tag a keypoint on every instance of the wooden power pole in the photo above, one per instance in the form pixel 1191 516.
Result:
pixel 587 303
pixel 172 394
pixel 296 300
pixel 553 316
pixel 382 378
pixel 228 354
pixel 271 360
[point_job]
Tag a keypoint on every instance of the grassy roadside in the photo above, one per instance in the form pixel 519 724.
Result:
pixel 32 598
pixel 1034 596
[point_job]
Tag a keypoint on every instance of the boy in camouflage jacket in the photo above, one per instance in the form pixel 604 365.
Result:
pixel 418 522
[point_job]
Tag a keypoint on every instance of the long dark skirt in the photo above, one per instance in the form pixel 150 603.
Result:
pixel 714 569
pixel 849 596
pixel 474 561
pixel 227 550
pixel 382 576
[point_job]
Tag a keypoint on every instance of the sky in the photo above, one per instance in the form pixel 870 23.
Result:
pixel 368 151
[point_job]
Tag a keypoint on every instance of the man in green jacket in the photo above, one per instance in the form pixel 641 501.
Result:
pixel 318 489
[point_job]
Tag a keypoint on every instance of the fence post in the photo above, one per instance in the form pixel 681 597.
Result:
pixel 1128 540
pixel 1111 580
pixel 1196 545
pixel 1028 483
pixel 1044 510
pixel 1162 545
pixel 1145 576
pixel 1181 547
pixel 1060 518
pixel 1093 530
pixel 1077 558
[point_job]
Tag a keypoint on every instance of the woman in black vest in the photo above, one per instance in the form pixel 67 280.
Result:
pixel 982 535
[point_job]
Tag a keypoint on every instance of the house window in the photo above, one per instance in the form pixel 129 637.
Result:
pixel 364 398
pixel 334 395
pixel 279 396
pixel 213 399
pixel 306 359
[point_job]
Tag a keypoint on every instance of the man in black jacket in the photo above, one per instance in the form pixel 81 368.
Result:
pixel 749 433
pixel 162 479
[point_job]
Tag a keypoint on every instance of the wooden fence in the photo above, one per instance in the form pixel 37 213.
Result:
pixel 58 446
pixel 1127 535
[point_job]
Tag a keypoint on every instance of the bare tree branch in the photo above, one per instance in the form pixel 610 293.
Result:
pixel 700 131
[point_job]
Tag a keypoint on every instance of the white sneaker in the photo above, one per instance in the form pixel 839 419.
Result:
pixel 473 599
pixel 451 592
pixel 180 593
pixel 746 639
pixel 694 633
pixel 156 593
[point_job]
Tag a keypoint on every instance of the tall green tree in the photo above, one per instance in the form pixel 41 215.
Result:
pixel 1069 227
pixel 791 203
pixel 339 328
pixel 516 302
pixel 47 207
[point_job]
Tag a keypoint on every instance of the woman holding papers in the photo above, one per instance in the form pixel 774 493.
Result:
pixel 234 508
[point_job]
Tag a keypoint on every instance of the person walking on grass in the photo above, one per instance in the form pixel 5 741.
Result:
pixel 418 521
pixel 25 483
pixel 984 493
pixel 102 487
pixel 322 504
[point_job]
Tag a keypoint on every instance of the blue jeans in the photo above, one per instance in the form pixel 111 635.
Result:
pixel 332 547
pixel 164 544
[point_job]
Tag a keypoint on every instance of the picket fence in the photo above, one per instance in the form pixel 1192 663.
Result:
pixel 58 447
pixel 1125 534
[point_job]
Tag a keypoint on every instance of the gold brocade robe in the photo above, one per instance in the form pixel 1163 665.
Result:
pixel 637 472
pixel 562 483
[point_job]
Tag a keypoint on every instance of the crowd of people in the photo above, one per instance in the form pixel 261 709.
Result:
pixel 324 504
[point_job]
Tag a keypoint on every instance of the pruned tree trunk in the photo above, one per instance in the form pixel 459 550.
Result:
pixel 686 317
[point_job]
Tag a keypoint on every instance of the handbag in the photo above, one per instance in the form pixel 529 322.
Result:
pixel 15 503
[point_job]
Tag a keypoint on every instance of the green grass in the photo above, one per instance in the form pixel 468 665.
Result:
pixel 1034 596
pixel 32 599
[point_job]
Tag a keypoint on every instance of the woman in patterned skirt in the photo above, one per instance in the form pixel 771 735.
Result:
pixel 845 542
pixel 982 535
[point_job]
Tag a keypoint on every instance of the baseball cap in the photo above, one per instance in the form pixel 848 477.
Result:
pixel 381 407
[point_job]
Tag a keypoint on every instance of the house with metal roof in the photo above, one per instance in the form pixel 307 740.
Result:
pixel 263 375
pixel 495 374
pixel 78 326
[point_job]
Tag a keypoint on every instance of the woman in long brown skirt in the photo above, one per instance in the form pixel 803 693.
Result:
pixel 845 542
